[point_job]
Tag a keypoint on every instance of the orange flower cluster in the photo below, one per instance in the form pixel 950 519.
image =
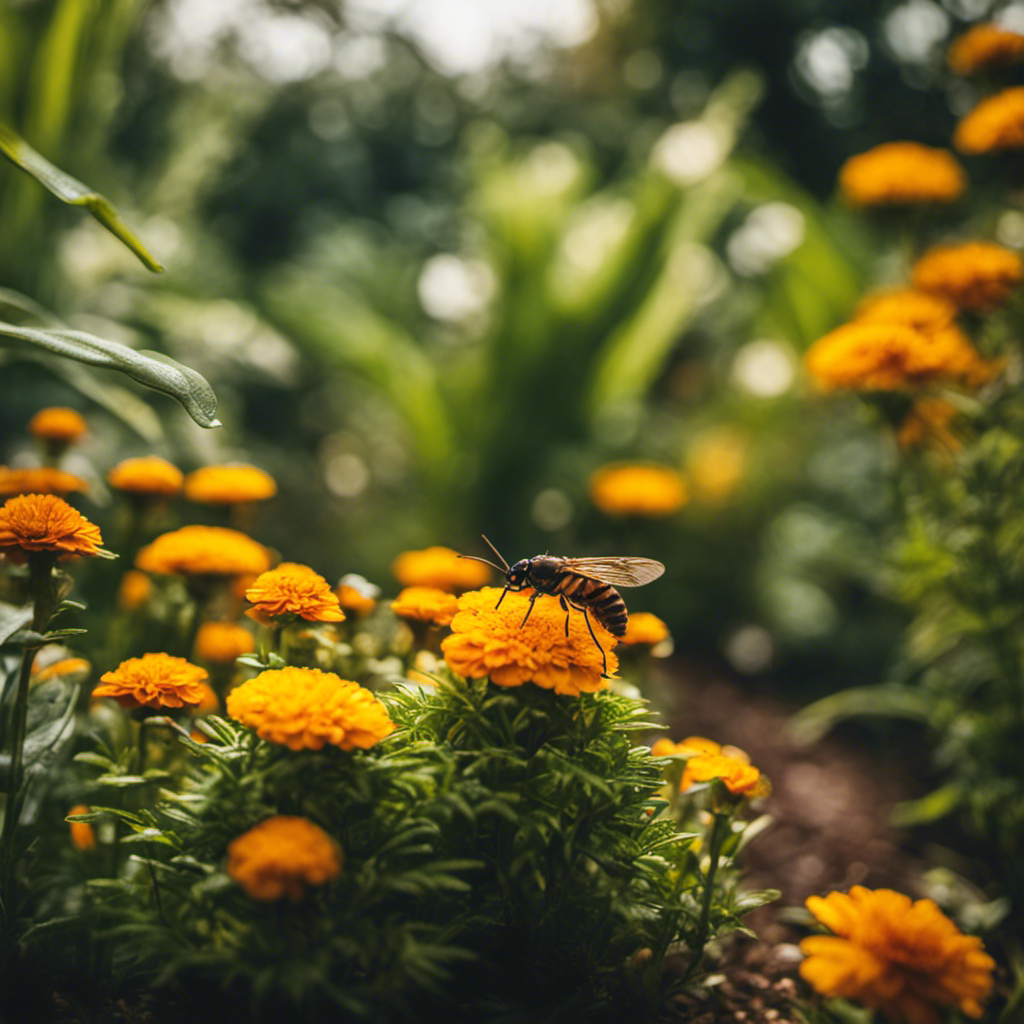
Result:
pixel 44 522
pixel 978 276
pixel 904 958
pixel 494 642
pixel 83 837
pixel 304 708
pixel 984 47
pixel 997 122
pixel 219 643
pixel 425 604
pixel 39 480
pixel 638 489
pixel 148 475
pixel 644 628
pixel 902 173
pixel 229 485
pixel 203 551
pixel 439 567
pixel 154 681
pixel 282 857
pixel 869 356
pixel 292 589
pixel 707 760
pixel 57 423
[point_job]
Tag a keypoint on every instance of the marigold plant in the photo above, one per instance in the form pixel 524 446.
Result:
pixel 977 276
pixel 282 858
pixel 44 522
pixel 439 567
pixel 494 642
pixel 147 475
pixel 229 485
pixel 203 551
pixel 638 489
pixel 39 480
pixel 58 423
pixel 154 681
pixel 983 48
pixel 291 589
pixel 305 708
pixel 996 123
pixel 904 958
pixel 425 604
pixel 900 173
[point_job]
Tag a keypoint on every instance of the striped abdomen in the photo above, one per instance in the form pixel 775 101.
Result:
pixel 600 598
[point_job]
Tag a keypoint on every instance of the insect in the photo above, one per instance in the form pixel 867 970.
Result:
pixel 585 584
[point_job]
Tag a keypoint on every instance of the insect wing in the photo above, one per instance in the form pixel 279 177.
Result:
pixel 620 572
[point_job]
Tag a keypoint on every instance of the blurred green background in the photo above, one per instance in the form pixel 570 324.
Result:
pixel 441 259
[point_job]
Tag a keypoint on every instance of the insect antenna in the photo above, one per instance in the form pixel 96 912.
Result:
pixel 504 567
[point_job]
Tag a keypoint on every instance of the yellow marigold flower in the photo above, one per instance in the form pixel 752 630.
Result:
pixel 39 480
pixel 292 589
pixel 637 489
pixel 890 356
pixel 978 276
pixel 439 567
pixel 134 591
pixel 229 485
pixel 493 642
pixel 304 708
pixel 425 604
pixel 930 424
pixel 57 423
pixel 997 122
pixel 83 837
pixel 352 599
pixel 692 746
pixel 203 551
pixel 153 681
pixel 707 760
pixel 220 643
pixel 282 857
pixel 905 958
pixel 644 628
pixel 148 475
pixel 983 47
pixel 898 173
pixel 921 310
pixel 44 522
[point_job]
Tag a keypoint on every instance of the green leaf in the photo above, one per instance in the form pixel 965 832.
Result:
pixel 890 700
pixel 153 369
pixel 63 634
pixel 931 807
pixel 13 617
pixel 71 191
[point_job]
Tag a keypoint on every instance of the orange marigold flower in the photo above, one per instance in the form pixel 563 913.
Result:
pixel 493 642
pixel 425 604
pixel 219 643
pixel 707 760
pixel 147 475
pixel 83 836
pixel 229 485
pixel 209 702
pixel 898 173
pixel 134 591
pixel 918 309
pixel 644 628
pixel 997 122
pixel 975 275
pixel 439 567
pixel 692 746
pixel 44 522
pixel 715 463
pixel 76 669
pixel 868 356
pixel 57 423
pixel 354 600
pixel 39 480
pixel 292 589
pixel 203 551
pixel 282 857
pixel 304 708
pixel 930 424
pixel 983 47
pixel 153 681
pixel 638 489
pixel 905 958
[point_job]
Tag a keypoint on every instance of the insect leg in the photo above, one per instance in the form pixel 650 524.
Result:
pixel 565 608
pixel 604 657
pixel 502 598
pixel 533 601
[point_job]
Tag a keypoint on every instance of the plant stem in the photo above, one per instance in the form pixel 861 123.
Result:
pixel 719 832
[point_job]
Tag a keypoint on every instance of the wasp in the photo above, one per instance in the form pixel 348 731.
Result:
pixel 585 584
